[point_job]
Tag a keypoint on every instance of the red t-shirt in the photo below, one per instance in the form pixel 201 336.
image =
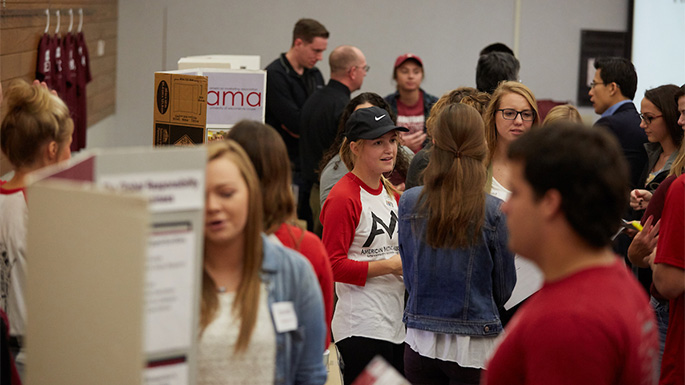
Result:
pixel 58 82
pixel 69 70
pixel 593 327
pixel 44 65
pixel 311 247
pixel 83 77
pixel 411 117
pixel 671 251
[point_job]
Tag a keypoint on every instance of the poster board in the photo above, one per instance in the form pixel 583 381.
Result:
pixel 162 264
pixel 85 286
pixel 232 95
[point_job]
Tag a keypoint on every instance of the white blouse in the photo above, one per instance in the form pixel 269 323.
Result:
pixel 217 362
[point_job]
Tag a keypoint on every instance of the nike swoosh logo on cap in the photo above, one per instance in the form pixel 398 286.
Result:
pixel 379 117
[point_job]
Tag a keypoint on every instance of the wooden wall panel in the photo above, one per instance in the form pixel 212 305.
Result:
pixel 22 23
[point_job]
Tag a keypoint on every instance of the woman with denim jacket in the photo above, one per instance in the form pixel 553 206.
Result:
pixel 262 318
pixel 457 268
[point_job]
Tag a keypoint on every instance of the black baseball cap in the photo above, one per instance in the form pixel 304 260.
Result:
pixel 370 123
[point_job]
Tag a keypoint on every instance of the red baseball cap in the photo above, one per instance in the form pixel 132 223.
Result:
pixel 407 56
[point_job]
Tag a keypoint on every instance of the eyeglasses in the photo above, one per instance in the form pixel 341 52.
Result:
pixel 648 119
pixel 366 68
pixel 511 114
pixel 594 83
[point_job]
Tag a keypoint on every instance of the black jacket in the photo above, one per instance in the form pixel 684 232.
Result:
pixel 625 124
pixel 286 92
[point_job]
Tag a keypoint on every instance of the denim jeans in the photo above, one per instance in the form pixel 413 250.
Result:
pixel 661 312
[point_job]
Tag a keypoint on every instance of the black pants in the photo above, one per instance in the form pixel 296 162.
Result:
pixel 356 353
pixel 421 370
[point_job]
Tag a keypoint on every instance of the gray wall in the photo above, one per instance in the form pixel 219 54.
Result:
pixel 447 34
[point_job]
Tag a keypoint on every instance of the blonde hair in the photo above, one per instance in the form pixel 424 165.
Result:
pixel 348 158
pixel 507 87
pixel 33 118
pixel 565 112
pixel 455 178
pixel 678 166
pixel 246 302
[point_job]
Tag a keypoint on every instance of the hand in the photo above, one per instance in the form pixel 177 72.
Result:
pixel 644 243
pixel 414 141
pixel 399 187
pixel 650 259
pixel 44 85
pixel 639 199
pixel 395 264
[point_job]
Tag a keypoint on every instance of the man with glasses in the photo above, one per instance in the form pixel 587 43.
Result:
pixel 319 122
pixel 611 93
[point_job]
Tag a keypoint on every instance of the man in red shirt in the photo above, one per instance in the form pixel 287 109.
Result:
pixel 591 323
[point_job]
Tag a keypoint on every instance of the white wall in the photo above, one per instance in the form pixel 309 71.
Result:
pixel 447 34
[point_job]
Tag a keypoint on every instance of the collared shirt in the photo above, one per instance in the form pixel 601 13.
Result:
pixel 610 111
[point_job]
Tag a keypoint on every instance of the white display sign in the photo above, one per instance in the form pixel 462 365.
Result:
pixel 167 191
pixel 234 96
pixel 169 288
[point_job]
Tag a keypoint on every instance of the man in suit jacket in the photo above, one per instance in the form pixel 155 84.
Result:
pixel 611 92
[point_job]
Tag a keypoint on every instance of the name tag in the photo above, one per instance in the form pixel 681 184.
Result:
pixel 284 316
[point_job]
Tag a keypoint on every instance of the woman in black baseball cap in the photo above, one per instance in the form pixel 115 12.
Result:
pixel 359 221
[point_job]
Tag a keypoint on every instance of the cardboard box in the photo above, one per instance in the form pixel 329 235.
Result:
pixel 180 111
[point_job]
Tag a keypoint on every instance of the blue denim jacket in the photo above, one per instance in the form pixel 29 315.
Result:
pixel 455 291
pixel 288 276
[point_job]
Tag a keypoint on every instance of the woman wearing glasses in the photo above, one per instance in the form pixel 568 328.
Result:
pixel 513 110
pixel 660 122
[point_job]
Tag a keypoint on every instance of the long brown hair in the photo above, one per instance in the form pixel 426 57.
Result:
pixel 505 88
pixel 267 151
pixel 453 196
pixel 246 303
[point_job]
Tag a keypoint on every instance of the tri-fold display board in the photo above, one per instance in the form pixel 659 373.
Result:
pixel 115 259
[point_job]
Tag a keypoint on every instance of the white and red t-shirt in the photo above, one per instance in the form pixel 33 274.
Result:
pixel 360 226
pixel 671 251
pixel 593 327
pixel 13 227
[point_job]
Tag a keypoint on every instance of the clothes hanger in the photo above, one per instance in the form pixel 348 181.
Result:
pixel 71 20
pixel 59 22
pixel 80 23
pixel 47 24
